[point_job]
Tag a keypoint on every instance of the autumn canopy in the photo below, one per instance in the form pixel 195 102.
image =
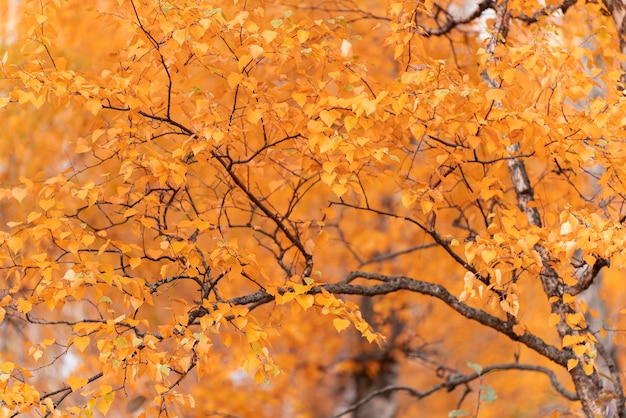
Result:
pixel 312 209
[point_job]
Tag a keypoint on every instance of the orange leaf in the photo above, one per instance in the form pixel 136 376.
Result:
pixel 93 106
pixel 134 262
pixel 495 95
pixel 81 342
pixel 567 298
pixel 18 193
pixel 554 319
pixel 571 363
pixel 24 306
pixel 488 256
pixel 76 382
pixel 15 244
pixel 306 301
pixel 340 324
pixel 46 203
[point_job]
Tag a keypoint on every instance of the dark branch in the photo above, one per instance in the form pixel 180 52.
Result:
pixel 452 23
pixel 460 379
pixel 546 11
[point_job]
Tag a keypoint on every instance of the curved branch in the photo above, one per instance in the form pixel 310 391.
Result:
pixel 459 379
pixel 395 283
pixel 391 284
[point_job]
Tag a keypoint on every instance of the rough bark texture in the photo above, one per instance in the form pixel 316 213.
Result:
pixel 588 388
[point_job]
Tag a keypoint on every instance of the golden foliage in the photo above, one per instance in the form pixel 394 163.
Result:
pixel 191 194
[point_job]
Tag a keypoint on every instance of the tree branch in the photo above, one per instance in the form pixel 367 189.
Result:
pixel 452 23
pixel 546 11
pixel 391 284
pixel 459 379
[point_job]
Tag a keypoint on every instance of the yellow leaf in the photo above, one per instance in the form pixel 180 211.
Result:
pixel 495 95
pixel 179 35
pixel 369 335
pixel 40 18
pixel 302 36
pixel 519 329
pixel 340 324
pixel 19 194
pixel 234 79
pixel 49 404
pixel 73 247
pixel 574 319
pixel 46 203
pixel 570 249
pixel 328 178
pixel 253 335
pixel 269 35
pixel 588 368
pixel 567 298
pixel 255 51
pixel 15 244
pixel 346 49
pixel 350 122
pixel 134 262
pixel 579 349
pixel 571 363
pixel 339 189
pixel 300 289
pixel 244 60
pixel 76 382
pixel 88 239
pixel 148 222
pixel 396 8
pixel 24 306
pixel 82 146
pixel 240 322
pixel 408 197
pixel 284 298
pixel 554 319
pixel 81 342
pixel 259 376
pixel 178 246
pixel 254 116
pixel 106 401
pixel 509 75
pixel 93 106
pixel 306 301
pixel 398 51
pixel 299 98
pixel 327 144
pixel 130 212
pixel 35 352
pixel 572 339
pixel 488 256
pixel 566 228
pixel 426 206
